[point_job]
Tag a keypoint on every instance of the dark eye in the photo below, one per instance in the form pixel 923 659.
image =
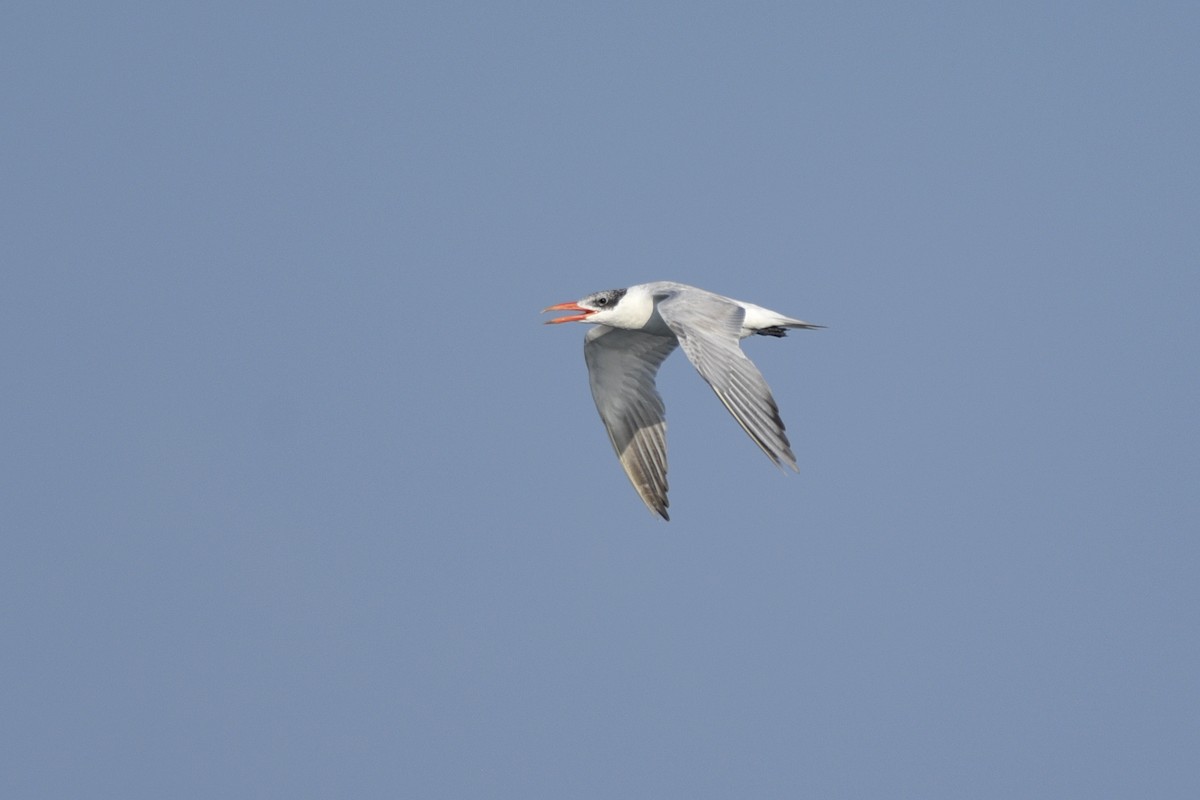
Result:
pixel 602 301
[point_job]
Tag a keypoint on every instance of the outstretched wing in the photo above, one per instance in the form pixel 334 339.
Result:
pixel 622 365
pixel 708 327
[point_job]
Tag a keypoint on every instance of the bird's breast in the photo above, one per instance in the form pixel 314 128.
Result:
pixel 655 325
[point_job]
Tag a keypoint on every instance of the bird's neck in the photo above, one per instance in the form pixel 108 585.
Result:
pixel 637 311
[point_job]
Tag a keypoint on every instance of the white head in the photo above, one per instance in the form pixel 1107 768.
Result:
pixel 599 307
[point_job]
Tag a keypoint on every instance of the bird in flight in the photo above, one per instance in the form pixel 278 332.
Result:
pixel 636 329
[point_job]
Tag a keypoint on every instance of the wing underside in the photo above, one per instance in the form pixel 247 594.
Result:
pixel 622 366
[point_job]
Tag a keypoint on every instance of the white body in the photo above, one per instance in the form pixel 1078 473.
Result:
pixel 637 310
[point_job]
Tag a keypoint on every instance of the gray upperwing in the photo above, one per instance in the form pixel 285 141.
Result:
pixel 708 328
pixel 622 365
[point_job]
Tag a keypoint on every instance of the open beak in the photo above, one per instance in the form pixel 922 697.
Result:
pixel 568 307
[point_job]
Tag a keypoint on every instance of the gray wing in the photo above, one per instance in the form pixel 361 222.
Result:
pixel 708 327
pixel 622 365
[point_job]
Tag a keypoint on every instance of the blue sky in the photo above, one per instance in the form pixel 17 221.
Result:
pixel 302 500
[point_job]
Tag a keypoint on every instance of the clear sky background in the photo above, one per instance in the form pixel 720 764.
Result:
pixel 301 499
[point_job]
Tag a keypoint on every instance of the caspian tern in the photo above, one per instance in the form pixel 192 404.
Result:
pixel 636 329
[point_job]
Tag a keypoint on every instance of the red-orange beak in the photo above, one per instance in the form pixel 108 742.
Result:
pixel 568 307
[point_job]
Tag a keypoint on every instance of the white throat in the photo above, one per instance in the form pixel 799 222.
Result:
pixel 635 312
